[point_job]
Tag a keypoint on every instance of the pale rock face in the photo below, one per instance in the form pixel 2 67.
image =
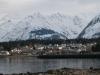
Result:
pixel 53 26
pixel 92 30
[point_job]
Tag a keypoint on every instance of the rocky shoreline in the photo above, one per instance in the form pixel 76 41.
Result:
pixel 64 71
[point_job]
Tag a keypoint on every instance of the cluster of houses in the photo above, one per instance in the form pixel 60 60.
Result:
pixel 25 50
pixel 67 48
pixel 49 49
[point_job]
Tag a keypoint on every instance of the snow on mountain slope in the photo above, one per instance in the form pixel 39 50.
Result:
pixel 92 30
pixel 60 25
pixel 69 26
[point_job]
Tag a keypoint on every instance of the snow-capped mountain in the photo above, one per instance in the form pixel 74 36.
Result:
pixel 92 30
pixel 42 27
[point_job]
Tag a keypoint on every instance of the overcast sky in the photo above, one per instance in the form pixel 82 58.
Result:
pixel 49 6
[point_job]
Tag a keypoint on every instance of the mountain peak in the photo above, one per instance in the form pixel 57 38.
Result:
pixel 95 20
pixel 92 30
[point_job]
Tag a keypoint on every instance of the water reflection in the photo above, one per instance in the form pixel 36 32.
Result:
pixel 32 64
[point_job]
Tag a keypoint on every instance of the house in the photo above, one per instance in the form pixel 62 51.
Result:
pixel 4 53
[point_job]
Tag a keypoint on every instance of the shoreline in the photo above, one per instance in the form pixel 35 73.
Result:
pixel 73 56
pixel 63 71
pixel 77 55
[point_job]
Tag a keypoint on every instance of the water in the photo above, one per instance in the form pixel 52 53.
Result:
pixel 31 64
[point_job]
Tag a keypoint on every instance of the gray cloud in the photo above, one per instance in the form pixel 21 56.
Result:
pixel 50 6
pixel 89 1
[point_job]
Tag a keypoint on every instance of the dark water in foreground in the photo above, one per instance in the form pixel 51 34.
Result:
pixel 32 64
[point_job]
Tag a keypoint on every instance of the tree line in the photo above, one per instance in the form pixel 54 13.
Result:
pixel 12 44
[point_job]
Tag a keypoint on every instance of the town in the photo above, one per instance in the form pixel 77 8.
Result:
pixel 36 49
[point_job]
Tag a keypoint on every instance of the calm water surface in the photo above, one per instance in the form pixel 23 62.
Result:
pixel 32 64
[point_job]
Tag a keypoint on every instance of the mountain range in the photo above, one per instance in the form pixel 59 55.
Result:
pixel 55 26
